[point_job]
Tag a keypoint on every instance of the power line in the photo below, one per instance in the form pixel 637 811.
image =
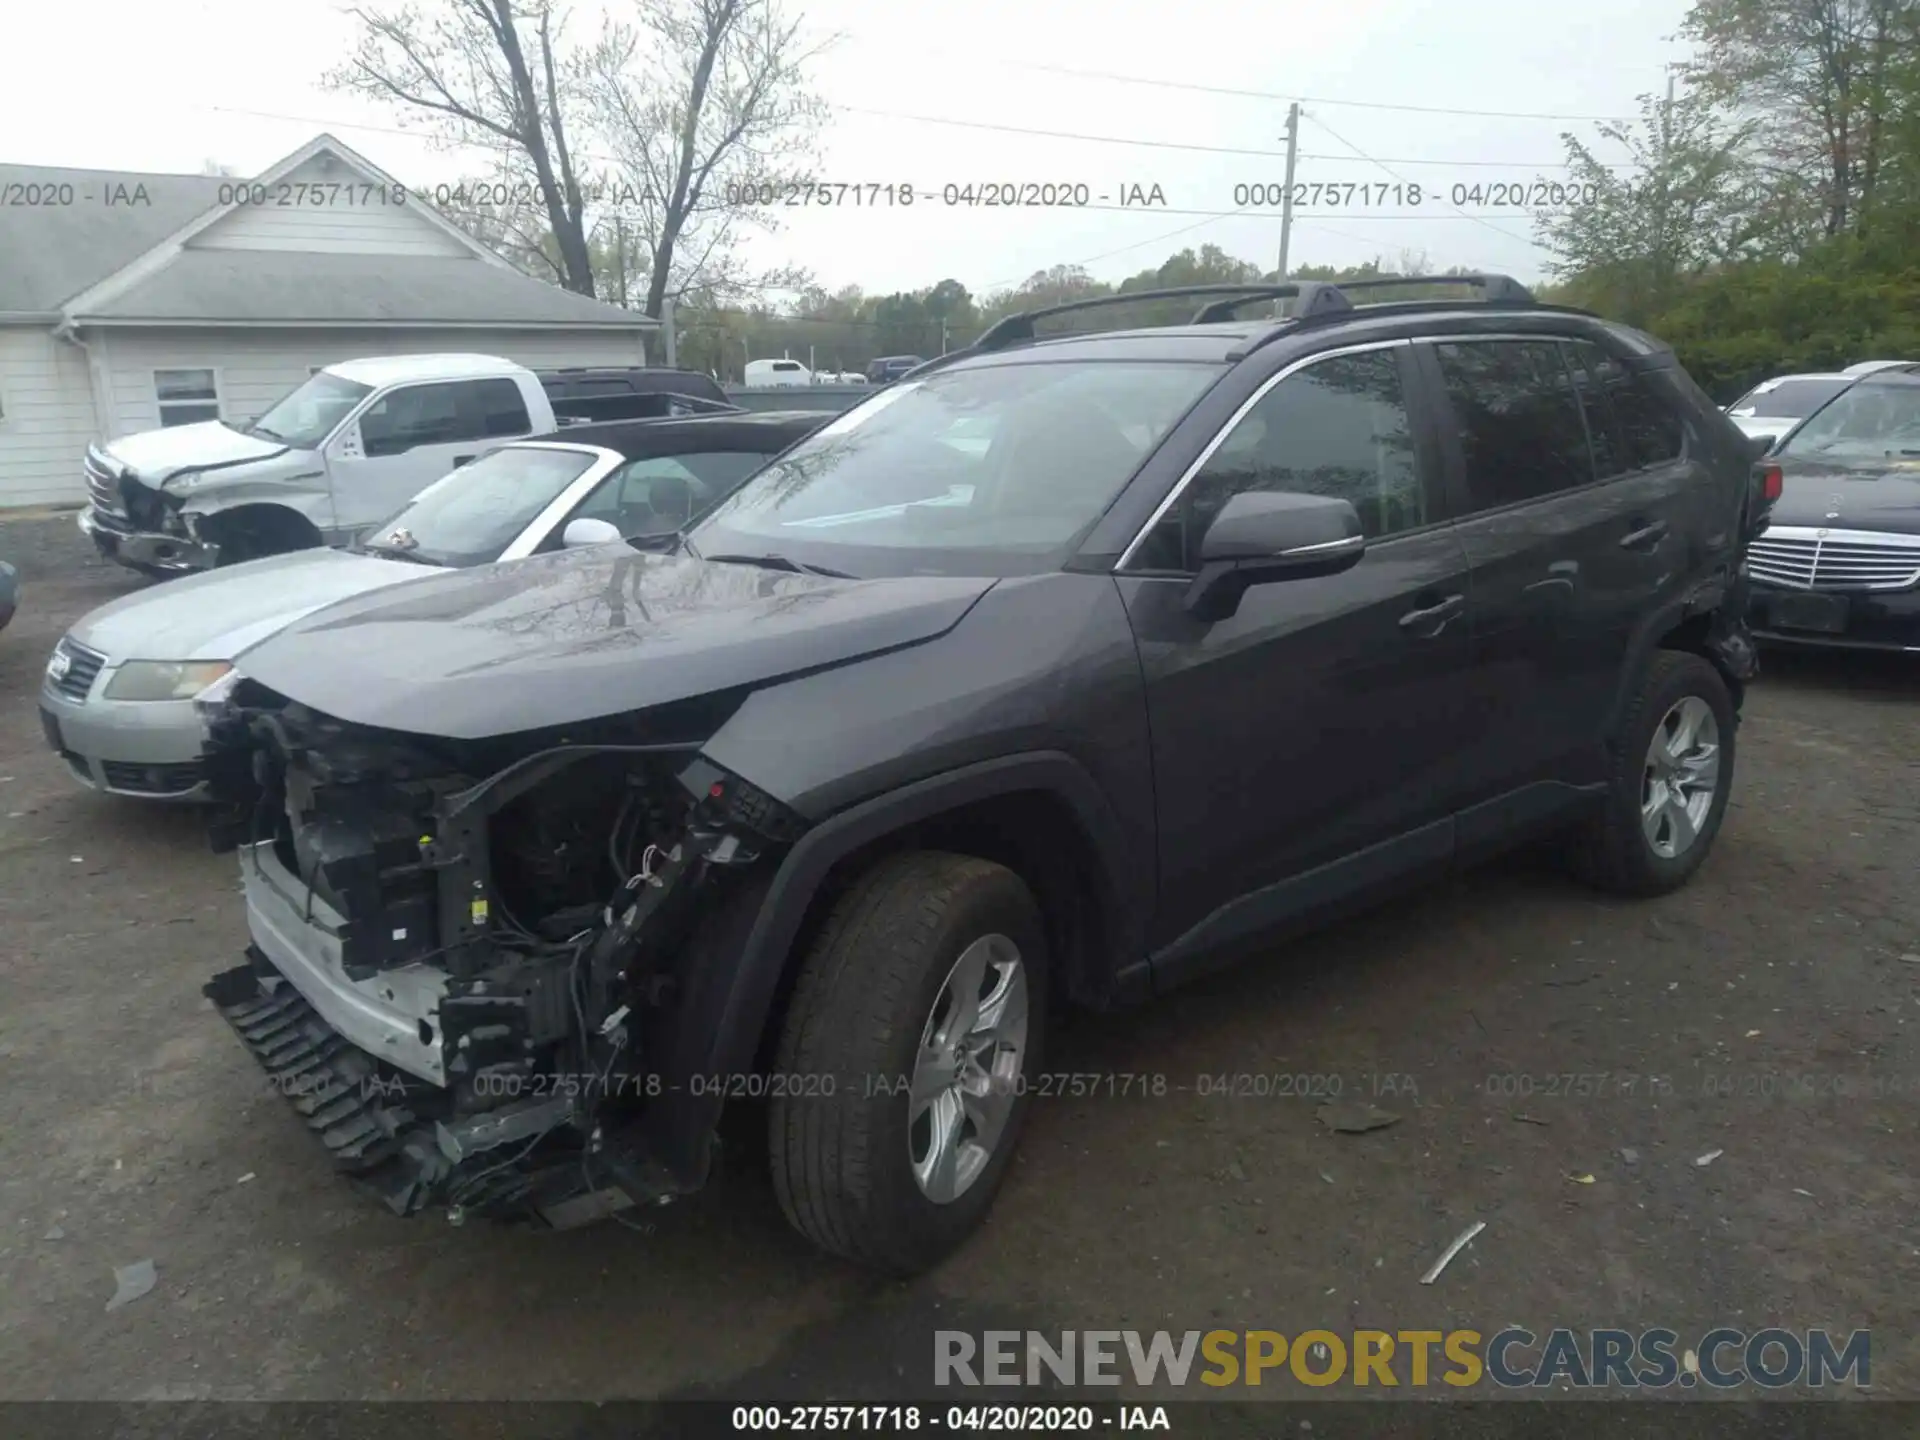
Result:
pixel 1136 141
pixel 1126 140
pixel 1160 84
pixel 1402 179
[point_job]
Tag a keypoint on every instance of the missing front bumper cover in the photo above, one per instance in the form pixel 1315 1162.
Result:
pixel 381 1129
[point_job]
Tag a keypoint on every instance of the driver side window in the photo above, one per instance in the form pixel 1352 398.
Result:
pixel 1339 427
pixel 658 496
pixel 414 415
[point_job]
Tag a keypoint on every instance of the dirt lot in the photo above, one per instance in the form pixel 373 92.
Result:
pixel 136 1128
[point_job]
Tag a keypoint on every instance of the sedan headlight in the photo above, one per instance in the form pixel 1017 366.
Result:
pixel 164 679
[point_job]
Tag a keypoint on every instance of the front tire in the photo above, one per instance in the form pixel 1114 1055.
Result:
pixel 1671 777
pixel 904 1059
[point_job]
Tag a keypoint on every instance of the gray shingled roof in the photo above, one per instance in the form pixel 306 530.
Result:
pixel 211 286
pixel 50 253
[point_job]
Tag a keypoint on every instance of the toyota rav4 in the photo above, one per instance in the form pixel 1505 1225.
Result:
pixel 1066 670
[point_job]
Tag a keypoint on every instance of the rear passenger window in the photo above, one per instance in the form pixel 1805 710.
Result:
pixel 1338 427
pixel 1650 429
pixel 1609 453
pixel 503 411
pixel 1521 430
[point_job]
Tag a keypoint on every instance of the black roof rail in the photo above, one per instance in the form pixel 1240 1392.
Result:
pixel 1317 300
pixel 1495 289
pixel 1012 329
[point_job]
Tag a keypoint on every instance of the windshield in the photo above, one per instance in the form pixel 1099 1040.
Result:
pixel 470 516
pixel 307 415
pixel 979 471
pixel 1868 422
pixel 1787 399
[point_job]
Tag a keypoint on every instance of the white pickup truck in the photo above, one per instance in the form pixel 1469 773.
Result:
pixel 341 453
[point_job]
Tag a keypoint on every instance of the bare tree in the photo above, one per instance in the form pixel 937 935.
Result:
pixel 705 106
pixel 485 73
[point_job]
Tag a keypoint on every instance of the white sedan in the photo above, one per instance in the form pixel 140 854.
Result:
pixel 117 700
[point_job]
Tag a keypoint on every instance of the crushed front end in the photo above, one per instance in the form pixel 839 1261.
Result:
pixel 133 523
pixel 468 957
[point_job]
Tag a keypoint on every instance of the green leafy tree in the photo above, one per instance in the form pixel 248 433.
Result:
pixel 1831 85
pixel 1685 201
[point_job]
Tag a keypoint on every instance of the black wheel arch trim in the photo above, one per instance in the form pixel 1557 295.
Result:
pixel 1728 644
pixel 735 1010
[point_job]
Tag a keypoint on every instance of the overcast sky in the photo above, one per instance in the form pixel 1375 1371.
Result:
pixel 143 87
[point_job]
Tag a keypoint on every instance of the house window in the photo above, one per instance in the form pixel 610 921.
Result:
pixel 186 397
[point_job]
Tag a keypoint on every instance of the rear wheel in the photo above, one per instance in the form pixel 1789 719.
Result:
pixel 905 1057
pixel 1672 774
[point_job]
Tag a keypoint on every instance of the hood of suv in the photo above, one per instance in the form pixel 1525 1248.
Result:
pixel 1878 495
pixel 217 614
pixel 153 455
pixel 558 639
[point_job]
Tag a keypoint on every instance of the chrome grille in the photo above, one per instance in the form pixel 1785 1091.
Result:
pixel 1803 558
pixel 83 666
pixel 102 488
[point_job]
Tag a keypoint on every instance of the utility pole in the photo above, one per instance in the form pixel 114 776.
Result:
pixel 943 337
pixel 1286 198
pixel 620 255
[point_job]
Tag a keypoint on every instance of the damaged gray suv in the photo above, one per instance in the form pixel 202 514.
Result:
pixel 1063 671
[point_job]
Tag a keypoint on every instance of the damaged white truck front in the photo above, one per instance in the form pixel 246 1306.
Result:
pixel 341 452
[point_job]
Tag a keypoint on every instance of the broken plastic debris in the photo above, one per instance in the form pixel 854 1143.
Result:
pixel 1798 1191
pixel 1691 1362
pixel 1709 1157
pixel 56 1233
pixel 1752 1033
pixel 244 1178
pixel 1459 1244
pixel 1326 1177
pixel 75 860
pixel 1910 958
pixel 1630 1155
pixel 1581 1179
pixel 131 1282
pixel 1355 1117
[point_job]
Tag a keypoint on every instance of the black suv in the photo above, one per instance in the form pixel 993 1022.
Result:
pixel 889 368
pixel 1062 673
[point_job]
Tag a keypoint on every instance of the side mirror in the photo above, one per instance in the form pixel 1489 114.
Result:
pixel 1759 445
pixel 581 533
pixel 1263 536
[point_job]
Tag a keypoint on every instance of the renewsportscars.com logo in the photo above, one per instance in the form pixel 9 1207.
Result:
pixel 1514 1358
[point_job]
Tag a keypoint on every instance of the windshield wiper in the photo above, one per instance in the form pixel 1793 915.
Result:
pixel 396 552
pixel 265 433
pixel 779 562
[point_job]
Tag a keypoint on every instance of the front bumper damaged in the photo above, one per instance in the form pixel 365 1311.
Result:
pixel 443 1051
pixel 120 540
pixel 376 1124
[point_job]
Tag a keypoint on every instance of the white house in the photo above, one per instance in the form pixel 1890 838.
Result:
pixel 134 301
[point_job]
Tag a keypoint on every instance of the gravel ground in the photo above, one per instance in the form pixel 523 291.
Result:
pixel 1761 1013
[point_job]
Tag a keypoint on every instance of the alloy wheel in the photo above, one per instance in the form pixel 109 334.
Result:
pixel 1681 778
pixel 967 1068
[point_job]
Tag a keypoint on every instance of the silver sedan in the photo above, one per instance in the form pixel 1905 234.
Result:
pixel 117 699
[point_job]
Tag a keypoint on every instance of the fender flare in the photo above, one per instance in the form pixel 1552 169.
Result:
pixel 1729 649
pixel 722 1025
